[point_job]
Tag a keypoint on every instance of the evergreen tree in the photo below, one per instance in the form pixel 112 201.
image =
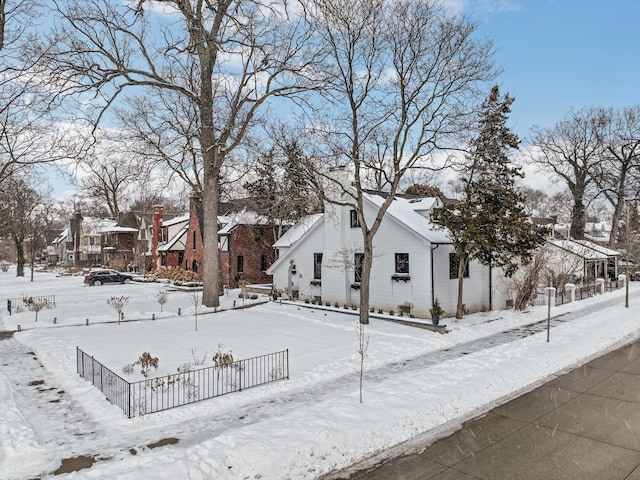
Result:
pixel 490 223
pixel 279 191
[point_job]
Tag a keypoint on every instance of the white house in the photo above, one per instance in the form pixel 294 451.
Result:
pixel 584 260
pixel 413 263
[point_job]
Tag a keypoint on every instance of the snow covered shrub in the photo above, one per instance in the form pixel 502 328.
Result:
pixel 128 368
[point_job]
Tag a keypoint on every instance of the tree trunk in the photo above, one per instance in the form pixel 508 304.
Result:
pixel 20 258
pixel 211 267
pixel 461 268
pixel 365 280
pixel 578 210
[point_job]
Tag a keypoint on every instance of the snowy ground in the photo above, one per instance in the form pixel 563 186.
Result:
pixel 417 383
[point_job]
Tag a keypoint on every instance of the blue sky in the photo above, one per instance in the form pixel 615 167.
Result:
pixel 558 54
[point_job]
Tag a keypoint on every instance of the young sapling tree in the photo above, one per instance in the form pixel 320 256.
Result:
pixel 118 304
pixel 162 296
pixel 36 304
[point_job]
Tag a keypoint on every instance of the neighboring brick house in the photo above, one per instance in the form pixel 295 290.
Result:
pixel 244 241
pixel 168 239
pixel 119 242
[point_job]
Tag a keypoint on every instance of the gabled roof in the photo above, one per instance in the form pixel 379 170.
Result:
pixel 175 220
pixel 175 240
pixel 295 233
pixel 579 249
pixel 243 217
pixel 411 213
pixel 598 248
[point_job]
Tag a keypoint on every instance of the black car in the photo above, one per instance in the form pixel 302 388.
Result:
pixel 99 277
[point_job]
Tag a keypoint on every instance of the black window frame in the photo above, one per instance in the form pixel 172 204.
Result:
pixel 402 263
pixel 354 220
pixel 263 262
pixel 454 264
pixel 317 266
pixel 240 263
pixel 358 258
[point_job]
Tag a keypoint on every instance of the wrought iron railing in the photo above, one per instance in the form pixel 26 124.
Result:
pixel 162 393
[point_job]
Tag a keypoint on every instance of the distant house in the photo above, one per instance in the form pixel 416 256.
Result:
pixel 169 238
pixel 414 263
pixel 584 260
pixel 80 243
pixel 244 243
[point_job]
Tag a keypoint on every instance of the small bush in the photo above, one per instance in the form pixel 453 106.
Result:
pixel 146 361
pixel 128 368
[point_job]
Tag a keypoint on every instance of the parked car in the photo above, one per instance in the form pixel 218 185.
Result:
pixel 100 277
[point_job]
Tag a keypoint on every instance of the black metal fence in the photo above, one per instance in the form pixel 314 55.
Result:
pixel 14 304
pixel 162 393
pixel 582 292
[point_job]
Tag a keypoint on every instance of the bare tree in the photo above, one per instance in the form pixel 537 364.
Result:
pixel 18 212
pixel 165 130
pixel 111 175
pixel 618 171
pixel 402 77
pixel 28 132
pixel 571 150
pixel 225 58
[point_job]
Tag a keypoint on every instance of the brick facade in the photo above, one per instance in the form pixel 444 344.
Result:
pixel 156 236
pixel 253 243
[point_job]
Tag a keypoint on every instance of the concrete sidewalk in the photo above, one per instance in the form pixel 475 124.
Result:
pixel 582 425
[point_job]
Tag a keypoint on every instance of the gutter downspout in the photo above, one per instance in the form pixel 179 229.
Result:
pixel 490 287
pixel 432 276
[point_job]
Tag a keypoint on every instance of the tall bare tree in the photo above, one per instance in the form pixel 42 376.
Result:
pixel 571 150
pixel 403 78
pixel 617 174
pixel 28 133
pixel 19 217
pixel 227 58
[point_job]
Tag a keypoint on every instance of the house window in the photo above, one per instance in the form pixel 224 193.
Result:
pixel 454 264
pixel 240 263
pixel 357 266
pixel 163 260
pixel 92 241
pixel 402 263
pixel 263 262
pixel 317 266
pixel 194 266
pixel 194 239
pixel 165 234
pixel 355 221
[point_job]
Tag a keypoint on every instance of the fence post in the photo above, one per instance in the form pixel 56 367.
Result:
pixel 571 290
pixel 287 364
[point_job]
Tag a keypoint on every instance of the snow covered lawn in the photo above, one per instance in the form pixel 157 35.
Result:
pixel 301 428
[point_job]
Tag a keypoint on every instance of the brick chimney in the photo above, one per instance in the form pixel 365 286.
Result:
pixel 156 236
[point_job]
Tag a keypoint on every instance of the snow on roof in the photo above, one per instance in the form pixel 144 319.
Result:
pixel 117 229
pixel 579 249
pixel 406 211
pixel 243 217
pixel 180 218
pixel 598 248
pixel 296 232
